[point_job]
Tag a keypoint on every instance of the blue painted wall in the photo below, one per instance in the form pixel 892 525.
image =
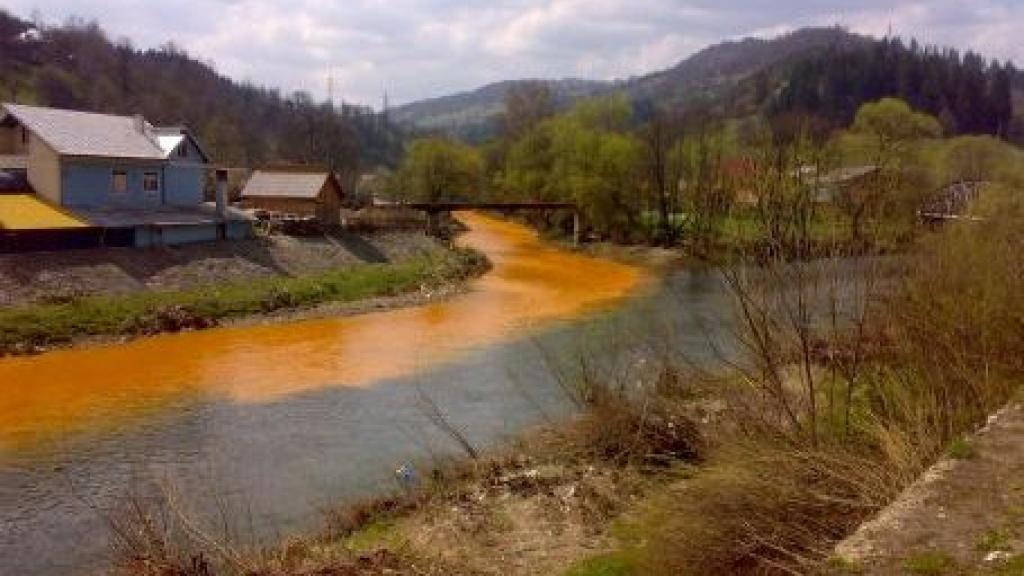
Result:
pixel 183 184
pixel 90 184
pixel 147 237
pixel 237 230
pixel 151 236
pixel 184 175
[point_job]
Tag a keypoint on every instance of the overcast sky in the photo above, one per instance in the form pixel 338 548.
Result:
pixel 422 48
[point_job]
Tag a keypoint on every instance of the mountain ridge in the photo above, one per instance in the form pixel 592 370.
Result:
pixel 475 113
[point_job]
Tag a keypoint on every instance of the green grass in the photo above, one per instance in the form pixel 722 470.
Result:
pixel 837 566
pixel 961 449
pixel 604 565
pixel 151 312
pixel 373 536
pixel 994 540
pixel 829 227
pixel 1012 567
pixel 930 564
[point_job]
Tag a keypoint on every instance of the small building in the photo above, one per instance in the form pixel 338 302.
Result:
pixel 114 172
pixel 312 194
pixel 846 181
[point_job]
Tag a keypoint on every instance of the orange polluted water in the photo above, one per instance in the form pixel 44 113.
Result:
pixel 530 285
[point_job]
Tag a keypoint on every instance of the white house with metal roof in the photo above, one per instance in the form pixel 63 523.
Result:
pixel 114 171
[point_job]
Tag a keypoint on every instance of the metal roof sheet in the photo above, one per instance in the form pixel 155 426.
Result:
pixel 73 133
pixel 264 184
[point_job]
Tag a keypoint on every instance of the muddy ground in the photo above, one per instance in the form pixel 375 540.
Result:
pixel 56 276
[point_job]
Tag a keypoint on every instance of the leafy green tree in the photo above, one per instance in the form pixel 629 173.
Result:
pixel 438 170
pixel 976 158
pixel 528 167
pixel 893 124
pixel 598 165
pixel 896 187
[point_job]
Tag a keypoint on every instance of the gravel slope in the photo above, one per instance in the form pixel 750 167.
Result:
pixel 55 276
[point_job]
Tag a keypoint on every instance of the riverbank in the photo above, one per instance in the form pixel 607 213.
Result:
pixel 290 416
pixel 546 502
pixel 63 299
pixel 668 470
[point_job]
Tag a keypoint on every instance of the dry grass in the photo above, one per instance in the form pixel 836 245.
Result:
pixel 796 475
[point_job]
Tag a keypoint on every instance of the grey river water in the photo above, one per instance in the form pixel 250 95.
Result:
pixel 273 466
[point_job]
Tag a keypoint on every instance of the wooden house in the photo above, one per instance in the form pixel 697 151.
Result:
pixel 316 194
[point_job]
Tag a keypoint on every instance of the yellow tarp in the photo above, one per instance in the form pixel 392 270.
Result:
pixel 27 212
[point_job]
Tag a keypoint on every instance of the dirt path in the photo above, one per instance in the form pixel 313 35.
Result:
pixel 964 516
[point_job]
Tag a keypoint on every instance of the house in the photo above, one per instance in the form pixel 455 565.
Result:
pixel 309 193
pixel 115 172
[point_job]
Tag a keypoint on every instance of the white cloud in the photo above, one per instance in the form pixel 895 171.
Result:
pixel 423 48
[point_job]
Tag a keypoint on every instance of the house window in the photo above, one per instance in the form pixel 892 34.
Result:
pixel 151 182
pixel 119 182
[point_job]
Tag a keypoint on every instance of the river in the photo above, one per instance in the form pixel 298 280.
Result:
pixel 271 423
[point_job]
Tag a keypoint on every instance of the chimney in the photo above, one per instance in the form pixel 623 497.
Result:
pixel 222 193
pixel 140 123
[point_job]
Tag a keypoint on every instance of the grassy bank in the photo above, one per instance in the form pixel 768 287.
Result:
pixel 28 328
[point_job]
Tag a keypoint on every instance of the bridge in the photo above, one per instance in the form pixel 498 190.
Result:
pixel 433 211
pixel 952 202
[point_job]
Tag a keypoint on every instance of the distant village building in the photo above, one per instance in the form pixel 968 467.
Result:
pixel 826 188
pixel 114 172
pixel 849 180
pixel 313 194
pixel 741 172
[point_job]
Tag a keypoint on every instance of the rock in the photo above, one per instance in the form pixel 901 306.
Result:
pixel 997 556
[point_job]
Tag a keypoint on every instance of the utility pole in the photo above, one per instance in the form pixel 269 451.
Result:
pixel 330 86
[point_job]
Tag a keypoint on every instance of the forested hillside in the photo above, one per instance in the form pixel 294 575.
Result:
pixel 824 72
pixel 476 115
pixel 77 66
pixel 968 94
pixel 712 75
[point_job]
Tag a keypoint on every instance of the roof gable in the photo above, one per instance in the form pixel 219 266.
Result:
pixel 170 138
pixel 303 185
